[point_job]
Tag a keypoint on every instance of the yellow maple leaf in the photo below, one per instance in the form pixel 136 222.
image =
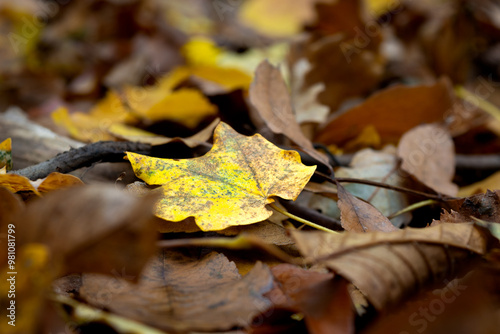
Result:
pixel 228 186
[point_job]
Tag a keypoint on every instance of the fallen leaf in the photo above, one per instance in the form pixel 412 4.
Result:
pixel 380 166
pixel 82 224
pixel 6 153
pixel 427 152
pixel 228 186
pixel 277 19
pixel 53 181
pixel 389 266
pixel 271 99
pixel 266 231
pixel 392 111
pixel 481 206
pixel 342 58
pixel 179 293
pixel 186 106
pixel 92 126
pixel 492 182
pixel 305 101
pixel 359 216
pixel 323 300
pixel 28 289
pixel 137 135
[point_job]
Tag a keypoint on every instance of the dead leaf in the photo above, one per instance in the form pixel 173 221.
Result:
pixel 343 58
pixel 6 153
pixel 380 166
pixel 180 293
pixel 481 206
pixel 83 224
pixel 492 182
pixel 323 300
pixel 53 181
pixel 271 99
pixel 228 186
pixel 389 266
pixel 392 111
pixel 428 153
pixel 137 135
pixel 359 216
pixel 277 19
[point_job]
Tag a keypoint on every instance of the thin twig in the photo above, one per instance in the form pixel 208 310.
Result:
pixel 438 197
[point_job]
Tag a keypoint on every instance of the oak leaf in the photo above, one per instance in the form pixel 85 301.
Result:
pixel 228 186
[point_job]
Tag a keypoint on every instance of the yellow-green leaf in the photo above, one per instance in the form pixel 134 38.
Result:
pixel 228 186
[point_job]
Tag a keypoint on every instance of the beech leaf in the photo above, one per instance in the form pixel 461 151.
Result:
pixel 228 186
pixel 388 267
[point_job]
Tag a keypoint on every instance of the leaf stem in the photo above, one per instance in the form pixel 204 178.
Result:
pixel 412 207
pixel 301 220
pixel 490 108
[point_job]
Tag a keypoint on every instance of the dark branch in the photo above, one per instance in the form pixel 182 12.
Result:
pixel 103 151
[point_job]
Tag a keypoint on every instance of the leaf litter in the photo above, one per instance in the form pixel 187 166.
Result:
pixel 258 122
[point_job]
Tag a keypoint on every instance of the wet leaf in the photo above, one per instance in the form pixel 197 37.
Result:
pixel 228 186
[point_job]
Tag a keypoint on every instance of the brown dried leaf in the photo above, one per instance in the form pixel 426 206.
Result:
pixel 392 112
pixel 359 216
pixel 271 99
pixel 482 206
pixel 428 154
pixel 86 223
pixel 180 293
pixel 323 300
pixel 388 267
